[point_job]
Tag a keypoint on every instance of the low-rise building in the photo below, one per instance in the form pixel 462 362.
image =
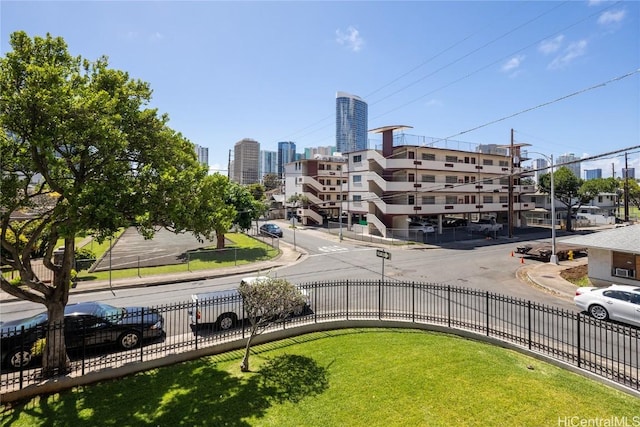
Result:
pixel 386 189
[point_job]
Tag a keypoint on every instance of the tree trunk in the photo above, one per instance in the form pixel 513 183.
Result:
pixel 219 241
pixel 55 360
pixel 569 225
pixel 244 366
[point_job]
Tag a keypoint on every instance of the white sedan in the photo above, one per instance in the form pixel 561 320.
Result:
pixel 616 302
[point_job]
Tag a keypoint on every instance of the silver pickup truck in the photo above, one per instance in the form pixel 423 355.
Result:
pixel 222 310
pixel 484 226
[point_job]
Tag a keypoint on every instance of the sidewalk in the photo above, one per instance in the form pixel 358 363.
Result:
pixel 547 276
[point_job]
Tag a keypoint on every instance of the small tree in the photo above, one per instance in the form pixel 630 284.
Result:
pixel 266 301
pixel 271 181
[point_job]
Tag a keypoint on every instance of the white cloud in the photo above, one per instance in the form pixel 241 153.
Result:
pixel 573 51
pixel 512 63
pixel 351 39
pixel 433 103
pixel 612 17
pixel 156 37
pixel 551 45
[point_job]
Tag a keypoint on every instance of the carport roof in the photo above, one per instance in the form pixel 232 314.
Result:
pixel 625 239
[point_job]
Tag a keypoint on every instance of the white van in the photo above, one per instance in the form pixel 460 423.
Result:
pixel 223 309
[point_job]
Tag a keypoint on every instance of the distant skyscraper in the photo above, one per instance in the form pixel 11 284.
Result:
pixel 574 167
pixel 268 163
pixel 593 173
pixel 246 161
pixel 542 165
pixel 629 173
pixel 286 154
pixel 351 123
pixel 203 155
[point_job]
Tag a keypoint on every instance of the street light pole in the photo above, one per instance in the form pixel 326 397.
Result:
pixel 554 257
pixel 340 213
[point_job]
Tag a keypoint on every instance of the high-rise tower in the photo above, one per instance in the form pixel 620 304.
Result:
pixel 351 123
pixel 246 161
pixel 286 154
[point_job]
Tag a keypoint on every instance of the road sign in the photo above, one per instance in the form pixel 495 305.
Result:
pixel 383 254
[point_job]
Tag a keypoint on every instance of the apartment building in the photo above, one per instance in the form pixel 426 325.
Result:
pixel 387 188
pixel 321 184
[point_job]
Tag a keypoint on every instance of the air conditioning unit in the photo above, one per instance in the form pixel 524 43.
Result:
pixel 623 272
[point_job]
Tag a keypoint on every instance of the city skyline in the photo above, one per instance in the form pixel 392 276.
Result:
pixel 564 75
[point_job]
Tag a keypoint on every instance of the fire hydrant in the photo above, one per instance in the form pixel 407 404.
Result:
pixel 570 255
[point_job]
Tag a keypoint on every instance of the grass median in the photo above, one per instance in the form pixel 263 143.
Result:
pixel 242 250
pixel 354 377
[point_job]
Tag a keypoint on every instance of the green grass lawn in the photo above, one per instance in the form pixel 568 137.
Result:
pixel 355 377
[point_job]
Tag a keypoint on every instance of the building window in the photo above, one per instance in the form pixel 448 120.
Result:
pixel 428 178
pixel 451 200
pixel 487 162
pixel 451 179
pixel 503 163
pixel 357 159
pixel 357 178
pixel 487 199
pixel 357 198
pixel 411 177
pixel 428 200
pixel 451 159
pixel 428 156
pixel 411 200
pixel 504 199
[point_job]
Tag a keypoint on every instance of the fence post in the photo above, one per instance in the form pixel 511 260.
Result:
pixel 380 299
pixel 449 306
pixel 529 322
pixel 578 340
pixel 195 324
pixel 486 295
pixel 347 298
pixel 413 302
pixel 141 333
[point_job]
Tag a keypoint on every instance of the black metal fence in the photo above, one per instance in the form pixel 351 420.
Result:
pixel 608 349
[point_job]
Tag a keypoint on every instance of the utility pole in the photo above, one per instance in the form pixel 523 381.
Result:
pixel 510 216
pixel 626 188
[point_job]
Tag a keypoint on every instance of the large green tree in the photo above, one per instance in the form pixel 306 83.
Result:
pixel 80 151
pixel 574 192
pixel 213 216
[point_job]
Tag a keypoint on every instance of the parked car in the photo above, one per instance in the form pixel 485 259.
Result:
pixel 85 324
pixel 485 225
pixel 222 310
pixel 421 227
pixel 616 302
pixel 454 222
pixel 271 230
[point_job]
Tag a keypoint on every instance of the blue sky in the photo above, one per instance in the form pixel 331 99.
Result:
pixel 224 71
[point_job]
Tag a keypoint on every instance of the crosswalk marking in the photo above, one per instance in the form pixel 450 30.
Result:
pixel 332 249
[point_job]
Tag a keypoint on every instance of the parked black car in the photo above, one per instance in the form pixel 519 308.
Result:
pixel 85 324
pixel 271 230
